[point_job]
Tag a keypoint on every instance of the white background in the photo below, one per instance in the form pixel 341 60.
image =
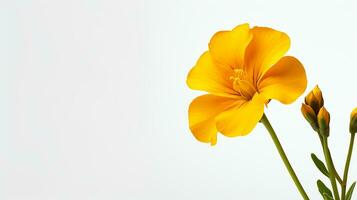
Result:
pixel 94 103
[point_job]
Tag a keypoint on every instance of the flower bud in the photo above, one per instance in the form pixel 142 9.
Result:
pixel 323 120
pixel 314 99
pixel 353 121
pixel 310 116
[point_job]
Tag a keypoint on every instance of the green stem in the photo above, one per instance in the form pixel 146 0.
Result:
pixel 330 169
pixel 347 165
pixel 338 178
pixel 283 156
pixel 333 165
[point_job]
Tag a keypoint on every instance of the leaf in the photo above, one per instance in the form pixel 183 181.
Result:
pixel 319 164
pixel 323 189
pixel 327 197
pixel 350 191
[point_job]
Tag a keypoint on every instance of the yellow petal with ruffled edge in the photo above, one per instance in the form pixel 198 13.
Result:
pixel 241 119
pixel 285 81
pixel 202 113
pixel 265 49
pixel 228 47
pixel 207 76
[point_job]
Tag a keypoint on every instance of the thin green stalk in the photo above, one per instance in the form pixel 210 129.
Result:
pixel 338 178
pixel 333 165
pixel 283 156
pixel 330 169
pixel 347 165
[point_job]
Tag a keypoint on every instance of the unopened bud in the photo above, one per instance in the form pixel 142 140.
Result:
pixel 310 116
pixel 353 121
pixel 314 99
pixel 323 120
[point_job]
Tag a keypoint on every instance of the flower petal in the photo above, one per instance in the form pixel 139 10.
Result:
pixel 265 49
pixel 206 76
pixel 228 47
pixel 241 119
pixel 285 81
pixel 202 113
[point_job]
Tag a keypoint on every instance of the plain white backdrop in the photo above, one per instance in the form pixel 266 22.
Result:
pixel 93 101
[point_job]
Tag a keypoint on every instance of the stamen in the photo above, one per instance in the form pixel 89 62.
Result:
pixel 241 84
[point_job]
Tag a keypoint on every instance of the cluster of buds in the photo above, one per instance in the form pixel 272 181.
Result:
pixel 315 113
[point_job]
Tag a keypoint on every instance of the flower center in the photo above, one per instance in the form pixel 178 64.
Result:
pixel 241 84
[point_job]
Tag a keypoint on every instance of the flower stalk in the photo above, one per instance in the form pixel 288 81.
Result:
pixel 330 169
pixel 347 165
pixel 283 156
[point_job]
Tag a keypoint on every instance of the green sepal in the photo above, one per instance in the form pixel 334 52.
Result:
pixel 319 164
pixel 350 191
pixel 323 189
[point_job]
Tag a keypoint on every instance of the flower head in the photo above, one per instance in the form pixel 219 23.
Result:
pixel 243 69
pixel 353 121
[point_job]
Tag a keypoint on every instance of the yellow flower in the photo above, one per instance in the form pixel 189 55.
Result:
pixel 353 121
pixel 242 70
